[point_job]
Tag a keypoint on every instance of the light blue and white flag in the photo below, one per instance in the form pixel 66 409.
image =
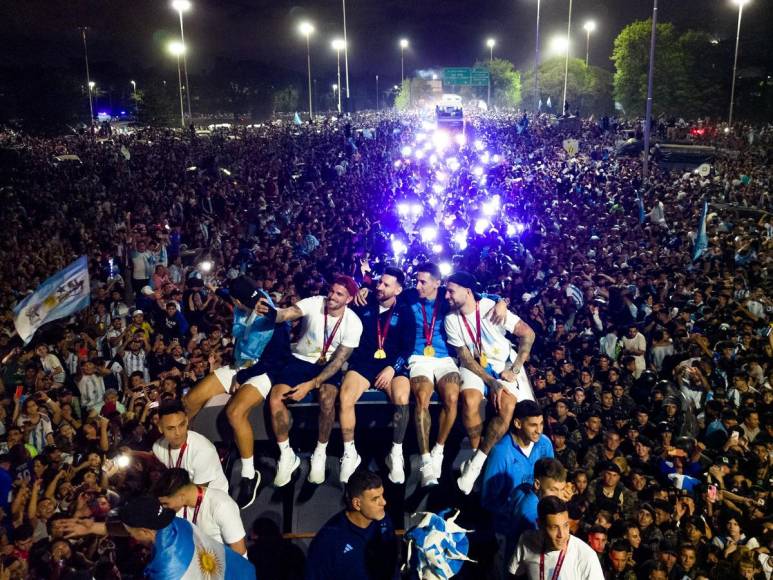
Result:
pixel 701 239
pixel 63 294
pixel 640 203
pixel 183 552
pixel 437 547
pixel 297 119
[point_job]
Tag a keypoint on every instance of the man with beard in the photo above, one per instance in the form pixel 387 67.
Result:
pixel 386 344
pixel 488 361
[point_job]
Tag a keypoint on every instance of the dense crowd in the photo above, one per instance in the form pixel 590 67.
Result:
pixel 650 364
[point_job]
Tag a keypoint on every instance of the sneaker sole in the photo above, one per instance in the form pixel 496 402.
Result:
pixel 356 465
pixel 316 480
pixel 464 491
pixel 389 476
pixel 296 465
pixel 254 491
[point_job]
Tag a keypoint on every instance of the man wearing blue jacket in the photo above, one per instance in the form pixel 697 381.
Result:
pixel 261 348
pixel 358 542
pixel 510 470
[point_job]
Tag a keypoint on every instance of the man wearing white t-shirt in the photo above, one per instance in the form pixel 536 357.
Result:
pixel 488 361
pixel 329 333
pixel 180 447
pixel 213 511
pixel 552 552
pixel 51 364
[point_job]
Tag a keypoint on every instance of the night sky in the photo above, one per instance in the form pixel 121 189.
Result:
pixel 442 32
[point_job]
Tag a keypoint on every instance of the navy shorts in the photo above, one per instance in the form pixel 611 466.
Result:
pixel 299 371
pixel 371 367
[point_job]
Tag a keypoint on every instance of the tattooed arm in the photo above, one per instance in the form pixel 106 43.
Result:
pixel 340 356
pixel 526 338
pixel 279 315
pixel 468 361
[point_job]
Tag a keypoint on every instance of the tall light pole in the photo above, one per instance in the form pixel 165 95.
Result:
pixel 377 107
pixel 134 87
pixel 536 65
pixel 306 29
pixel 645 170
pixel 589 26
pixel 338 45
pixel 89 84
pixel 177 49
pixel 346 55
pixel 740 4
pixel 491 43
pixel 403 46
pixel 183 6
pixel 566 60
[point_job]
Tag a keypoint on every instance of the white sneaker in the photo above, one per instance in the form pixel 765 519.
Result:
pixel 317 472
pixel 349 463
pixel 437 461
pixel 396 465
pixel 428 476
pixel 288 463
pixel 469 475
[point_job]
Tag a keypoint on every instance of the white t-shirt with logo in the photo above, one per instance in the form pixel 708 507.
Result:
pixel 218 517
pixel 499 351
pixel 200 460
pixel 309 345
pixel 580 561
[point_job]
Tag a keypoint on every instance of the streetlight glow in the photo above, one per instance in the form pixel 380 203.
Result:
pixel 176 48
pixel 741 2
pixel 491 42
pixel 92 84
pixel 403 43
pixel 338 44
pixel 306 28
pixel 589 26
pixel 181 5
pixel 559 45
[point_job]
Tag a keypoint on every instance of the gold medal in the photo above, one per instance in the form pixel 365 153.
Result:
pixel 380 353
pixel 483 360
pixel 429 350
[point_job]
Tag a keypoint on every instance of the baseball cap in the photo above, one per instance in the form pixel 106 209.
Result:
pixel 138 311
pixel 245 290
pixel 464 279
pixel 145 512
pixel 611 466
pixel 347 282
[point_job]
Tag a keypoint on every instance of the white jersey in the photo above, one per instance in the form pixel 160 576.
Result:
pixel 309 345
pixel 200 460
pixel 580 561
pixel 92 390
pixel 218 517
pixel 498 350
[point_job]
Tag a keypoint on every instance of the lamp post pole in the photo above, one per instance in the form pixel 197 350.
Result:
pixel 648 113
pixel 89 85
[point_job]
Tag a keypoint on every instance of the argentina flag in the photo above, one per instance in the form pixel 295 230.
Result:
pixel 640 203
pixel 701 238
pixel 182 552
pixel 63 294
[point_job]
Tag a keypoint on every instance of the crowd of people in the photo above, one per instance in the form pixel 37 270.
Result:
pixel 626 364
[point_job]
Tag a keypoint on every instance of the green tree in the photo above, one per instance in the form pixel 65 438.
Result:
pixel 403 96
pixel 159 105
pixel 505 83
pixel 688 77
pixel 285 100
pixel 588 88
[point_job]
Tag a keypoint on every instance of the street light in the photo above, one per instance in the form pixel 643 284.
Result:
pixel 741 4
pixel 307 29
pixel 491 43
pixel 339 44
pixel 566 58
pixel 346 55
pixel 559 45
pixel 537 98
pixel 177 49
pixel 645 168
pixel 134 86
pixel 403 46
pixel 589 26
pixel 89 83
pixel 183 6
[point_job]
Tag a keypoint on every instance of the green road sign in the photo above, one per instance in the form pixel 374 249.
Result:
pixel 476 77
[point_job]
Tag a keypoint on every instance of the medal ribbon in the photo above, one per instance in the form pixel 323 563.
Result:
pixel 477 340
pixel 199 498
pixel 381 335
pixel 429 329
pixel 328 340
pixel 179 461
pixel 556 570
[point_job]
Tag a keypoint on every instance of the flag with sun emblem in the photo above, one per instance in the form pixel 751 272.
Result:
pixel 63 294
pixel 183 552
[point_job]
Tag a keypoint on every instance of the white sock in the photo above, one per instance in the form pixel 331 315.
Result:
pixel 478 459
pixel 438 449
pixel 248 467
pixel 397 448
pixel 349 447
pixel 321 448
pixel 426 458
pixel 284 446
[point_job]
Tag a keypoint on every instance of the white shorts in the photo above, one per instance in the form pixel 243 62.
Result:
pixel 226 375
pixel 521 389
pixel 431 367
